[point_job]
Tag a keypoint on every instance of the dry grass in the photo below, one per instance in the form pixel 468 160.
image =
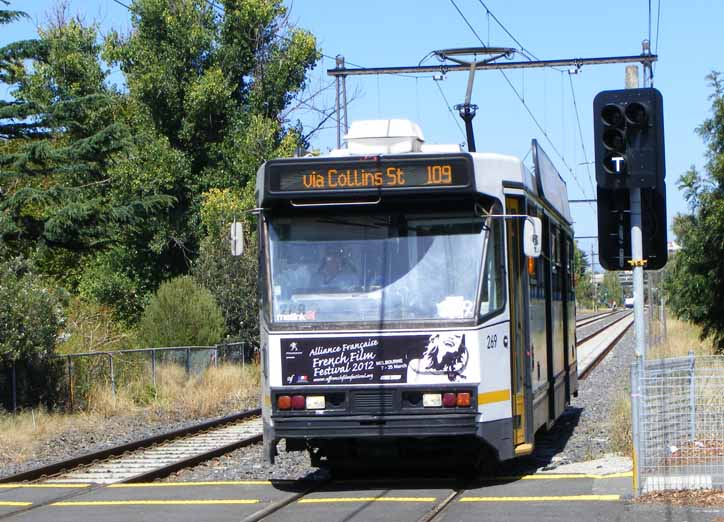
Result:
pixel 22 433
pixel 620 423
pixel 681 338
pixel 214 392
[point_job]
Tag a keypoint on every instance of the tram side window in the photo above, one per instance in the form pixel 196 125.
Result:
pixel 556 276
pixel 493 291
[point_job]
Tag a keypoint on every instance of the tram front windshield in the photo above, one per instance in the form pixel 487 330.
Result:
pixel 375 268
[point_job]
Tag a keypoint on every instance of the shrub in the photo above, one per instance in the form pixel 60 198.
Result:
pixel 30 317
pixel 181 313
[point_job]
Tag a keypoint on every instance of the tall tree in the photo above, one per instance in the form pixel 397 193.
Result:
pixel 60 131
pixel 207 85
pixel 695 281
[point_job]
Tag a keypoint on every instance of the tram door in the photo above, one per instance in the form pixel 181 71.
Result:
pixel 517 320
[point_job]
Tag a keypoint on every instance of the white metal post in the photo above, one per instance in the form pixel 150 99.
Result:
pixel 637 254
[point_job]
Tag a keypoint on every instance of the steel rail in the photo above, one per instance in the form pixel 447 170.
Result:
pixel 585 321
pixel 57 467
pixel 600 330
pixel 603 353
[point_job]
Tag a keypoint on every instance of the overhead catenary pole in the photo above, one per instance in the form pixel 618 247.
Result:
pixel 341 85
pixel 480 66
pixel 632 82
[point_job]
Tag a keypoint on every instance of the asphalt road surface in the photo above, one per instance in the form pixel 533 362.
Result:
pixel 539 497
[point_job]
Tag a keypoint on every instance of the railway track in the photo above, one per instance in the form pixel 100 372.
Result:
pixel 593 347
pixel 151 458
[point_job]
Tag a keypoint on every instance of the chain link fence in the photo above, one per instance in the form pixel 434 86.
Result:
pixel 77 374
pixel 678 423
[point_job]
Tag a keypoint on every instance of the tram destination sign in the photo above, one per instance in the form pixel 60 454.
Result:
pixel 393 173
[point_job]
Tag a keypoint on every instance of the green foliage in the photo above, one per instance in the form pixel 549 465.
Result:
pixel 611 290
pixel 104 190
pixel 30 315
pixel 232 280
pixel 182 313
pixel 582 276
pixel 695 280
pixel 61 132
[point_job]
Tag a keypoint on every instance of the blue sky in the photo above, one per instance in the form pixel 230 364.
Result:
pixel 376 33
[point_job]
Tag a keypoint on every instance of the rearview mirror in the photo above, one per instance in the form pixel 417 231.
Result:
pixel 237 239
pixel 532 240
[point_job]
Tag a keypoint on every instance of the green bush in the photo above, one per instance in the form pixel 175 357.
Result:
pixel 181 313
pixel 30 315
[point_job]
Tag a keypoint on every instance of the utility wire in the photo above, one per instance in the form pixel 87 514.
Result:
pixel 580 134
pixel 467 22
pixel 449 108
pixel 527 108
pixel 524 51
pixel 122 4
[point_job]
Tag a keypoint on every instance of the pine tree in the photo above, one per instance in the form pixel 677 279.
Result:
pixel 60 132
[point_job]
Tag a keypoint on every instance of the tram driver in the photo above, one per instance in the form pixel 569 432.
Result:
pixel 337 271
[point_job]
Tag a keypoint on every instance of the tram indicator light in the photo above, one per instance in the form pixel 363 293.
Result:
pixel 449 400
pixel 629 138
pixel 284 402
pixel 463 400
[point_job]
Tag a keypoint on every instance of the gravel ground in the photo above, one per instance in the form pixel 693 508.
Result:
pixel 112 432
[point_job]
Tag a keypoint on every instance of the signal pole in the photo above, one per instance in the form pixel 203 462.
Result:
pixel 637 253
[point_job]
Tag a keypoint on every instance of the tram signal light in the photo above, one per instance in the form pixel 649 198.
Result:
pixel 614 228
pixel 629 138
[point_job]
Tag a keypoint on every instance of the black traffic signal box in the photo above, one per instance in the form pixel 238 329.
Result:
pixel 629 141
pixel 628 129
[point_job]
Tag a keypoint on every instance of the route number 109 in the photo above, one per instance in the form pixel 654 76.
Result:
pixel 439 175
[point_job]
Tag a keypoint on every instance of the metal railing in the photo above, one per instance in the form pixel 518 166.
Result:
pixel 677 412
pixel 82 371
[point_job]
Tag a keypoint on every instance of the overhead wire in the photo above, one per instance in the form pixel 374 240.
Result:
pixel 520 98
pixel 580 134
pixel 449 107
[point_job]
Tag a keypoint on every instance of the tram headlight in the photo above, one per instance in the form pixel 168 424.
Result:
pixel 315 402
pixel 431 400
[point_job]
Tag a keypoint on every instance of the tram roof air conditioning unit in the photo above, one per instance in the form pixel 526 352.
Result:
pixel 384 137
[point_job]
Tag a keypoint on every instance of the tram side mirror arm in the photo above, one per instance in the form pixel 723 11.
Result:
pixel 237 238
pixel 532 236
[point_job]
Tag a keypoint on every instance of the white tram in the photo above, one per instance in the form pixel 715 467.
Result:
pixel 398 307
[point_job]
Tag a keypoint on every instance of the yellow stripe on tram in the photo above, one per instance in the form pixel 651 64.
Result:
pixel 10 503
pixel 493 396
